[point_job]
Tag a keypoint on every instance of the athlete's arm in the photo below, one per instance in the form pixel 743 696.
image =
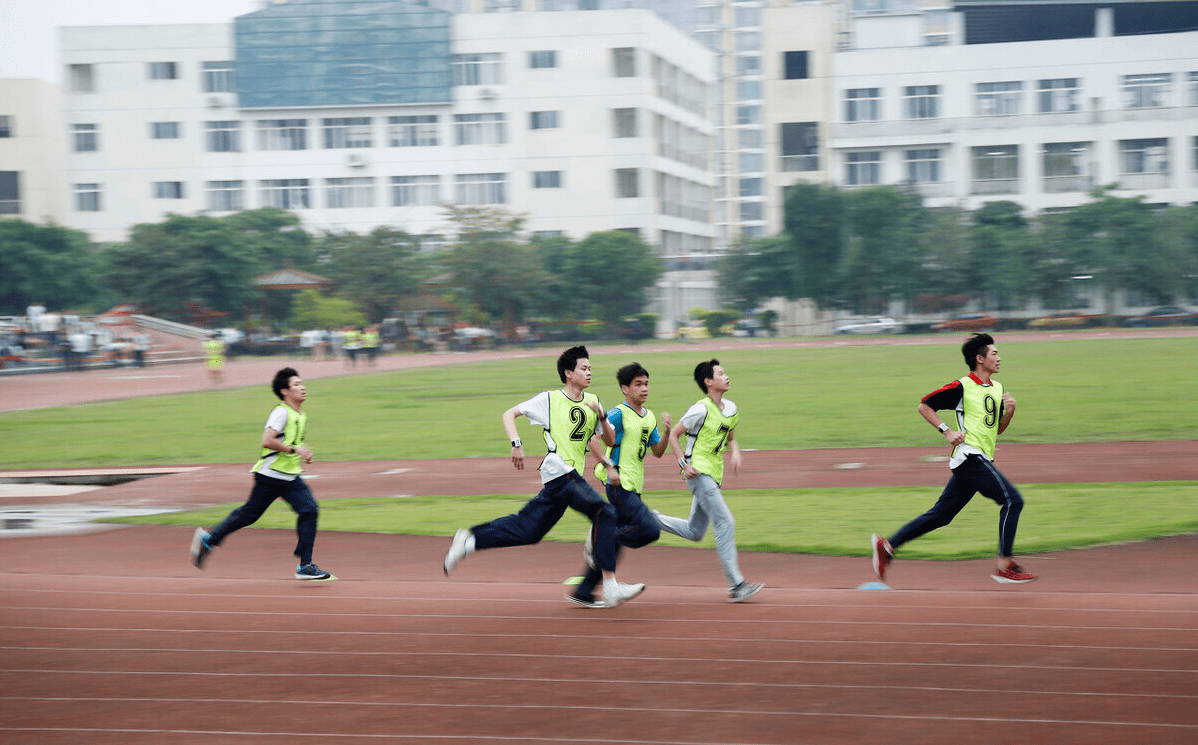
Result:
pixel 509 426
pixel 595 445
pixel 1008 411
pixel 927 412
pixel 734 447
pixel 609 432
pixel 688 471
pixel 272 439
pixel 659 447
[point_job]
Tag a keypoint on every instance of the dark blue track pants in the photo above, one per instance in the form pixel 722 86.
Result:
pixel 266 490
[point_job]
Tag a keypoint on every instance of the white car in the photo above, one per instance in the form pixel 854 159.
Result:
pixel 877 325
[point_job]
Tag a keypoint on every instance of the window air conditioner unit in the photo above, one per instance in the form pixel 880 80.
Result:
pixel 487 93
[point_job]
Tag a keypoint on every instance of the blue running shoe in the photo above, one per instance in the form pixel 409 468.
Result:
pixel 311 571
pixel 199 547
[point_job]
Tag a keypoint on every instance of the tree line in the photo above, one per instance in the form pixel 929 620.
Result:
pixel 859 250
pixel 184 263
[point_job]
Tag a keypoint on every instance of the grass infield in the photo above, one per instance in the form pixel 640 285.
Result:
pixel 836 522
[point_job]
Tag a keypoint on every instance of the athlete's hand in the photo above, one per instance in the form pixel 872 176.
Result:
pixel 736 461
pixel 595 407
pixel 613 477
pixel 1008 402
pixel 954 438
pixel 305 452
pixel 666 422
pixel 518 458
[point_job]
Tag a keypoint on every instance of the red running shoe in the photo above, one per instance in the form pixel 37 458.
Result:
pixel 882 555
pixel 1012 575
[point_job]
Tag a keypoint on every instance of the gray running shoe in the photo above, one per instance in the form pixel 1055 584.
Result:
pixel 744 591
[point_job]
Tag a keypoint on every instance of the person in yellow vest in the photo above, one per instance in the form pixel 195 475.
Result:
pixel 570 417
pixel 983 410
pixel 276 476
pixel 637 435
pixel 710 428
pixel 370 344
pixel 351 345
pixel 214 358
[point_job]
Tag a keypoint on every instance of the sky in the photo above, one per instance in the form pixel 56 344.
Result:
pixel 28 28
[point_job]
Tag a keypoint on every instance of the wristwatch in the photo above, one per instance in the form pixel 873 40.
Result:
pixel 682 463
pixel 517 444
pixel 943 428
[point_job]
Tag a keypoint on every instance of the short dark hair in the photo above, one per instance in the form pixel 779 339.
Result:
pixel 630 372
pixel 569 360
pixel 974 346
pixel 282 381
pixel 705 371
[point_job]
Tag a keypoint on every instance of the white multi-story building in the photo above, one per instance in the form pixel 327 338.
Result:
pixel 32 148
pixel 377 112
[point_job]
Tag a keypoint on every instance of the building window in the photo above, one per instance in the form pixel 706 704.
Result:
pixel 412 131
pixel 164 130
pixel 627 183
pixel 81 79
pixel 748 41
pixel 996 169
pixel 542 60
pixel 1058 95
pixel 282 134
pixel 223 137
pixel 1000 99
pixel 481 188
pixel 217 77
pixel 286 194
pixel 749 65
pixel 546 179
pixel 800 146
pixel 748 115
pixel 862 105
pixel 1146 91
pixel 415 191
pixel 752 211
pixel 10 193
pixel 624 122
pixel 921 102
pixel 480 129
pixel 751 187
pixel 1192 90
pixel 86 137
pixel 923 165
pixel 794 65
pixel 348 193
pixel 1065 167
pixel 87 197
pixel 347 132
pixel 6 126
pixel 542 120
pixel 1194 166
pixel 749 138
pixel 168 189
pixel 863 169
pixel 623 61
pixel 225 196
pixel 748 90
pixel 1144 163
pixel 163 70
pixel 751 162
pixel 477 69
pixel 543 235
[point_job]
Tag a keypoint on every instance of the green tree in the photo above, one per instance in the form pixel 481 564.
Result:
pixel 752 271
pixel 496 273
pixel 1116 240
pixel 375 270
pixel 886 249
pixel 311 310
pixel 615 271
pixel 46 262
pixel 165 266
pixel 815 221
pixel 1003 255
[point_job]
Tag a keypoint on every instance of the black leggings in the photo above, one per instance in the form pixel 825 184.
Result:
pixel 975 475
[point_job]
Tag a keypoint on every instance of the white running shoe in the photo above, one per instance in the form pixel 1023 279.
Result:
pixel 744 591
pixel 457 550
pixel 622 595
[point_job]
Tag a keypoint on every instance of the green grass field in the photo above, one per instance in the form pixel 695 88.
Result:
pixel 1068 391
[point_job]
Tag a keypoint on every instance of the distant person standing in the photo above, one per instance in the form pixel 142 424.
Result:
pixel 570 418
pixel 80 346
pixel 214 358
pixel 277 475
pixel 710 428
pixel 142 341
pixel 370 344
pixel 351 345
pixel 983 410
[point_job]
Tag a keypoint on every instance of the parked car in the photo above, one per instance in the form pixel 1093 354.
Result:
pixel 968 322
pixel 876 325
pixel 1066 320
pixel 1166 315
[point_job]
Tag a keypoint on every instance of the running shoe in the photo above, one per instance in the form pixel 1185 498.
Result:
pixel 311 571
pixel 199 547
pixel 585 602
pixel 744 591
pixel 622 595
pixel 883 553
pixel 1012 575
pixel 457 550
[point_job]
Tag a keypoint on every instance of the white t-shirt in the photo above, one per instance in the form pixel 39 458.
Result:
pixel 537 411
pixel 694 416
pixel 278 422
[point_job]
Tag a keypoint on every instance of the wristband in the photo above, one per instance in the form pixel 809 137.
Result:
pixel 943 428
pixel 682 463
pixel 517 444
pixel 293 449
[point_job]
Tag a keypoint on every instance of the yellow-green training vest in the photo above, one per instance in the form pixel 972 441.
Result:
pixel 293 434
pixel 629 454
pixel 571 424
pixel 706 450
pixel 979 414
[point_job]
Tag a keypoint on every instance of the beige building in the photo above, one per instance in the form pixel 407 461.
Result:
pixel 32 151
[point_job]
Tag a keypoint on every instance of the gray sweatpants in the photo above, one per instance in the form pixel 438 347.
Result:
pixel 708 505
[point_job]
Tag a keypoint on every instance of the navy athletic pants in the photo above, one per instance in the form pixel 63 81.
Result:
pixel 635 527
pixel 266 490
pixel 975 475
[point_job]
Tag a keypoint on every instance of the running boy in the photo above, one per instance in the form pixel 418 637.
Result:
pixel 636 434
pixel 276 474
pixel 710 428
pixel 570 417
pixel 984 410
